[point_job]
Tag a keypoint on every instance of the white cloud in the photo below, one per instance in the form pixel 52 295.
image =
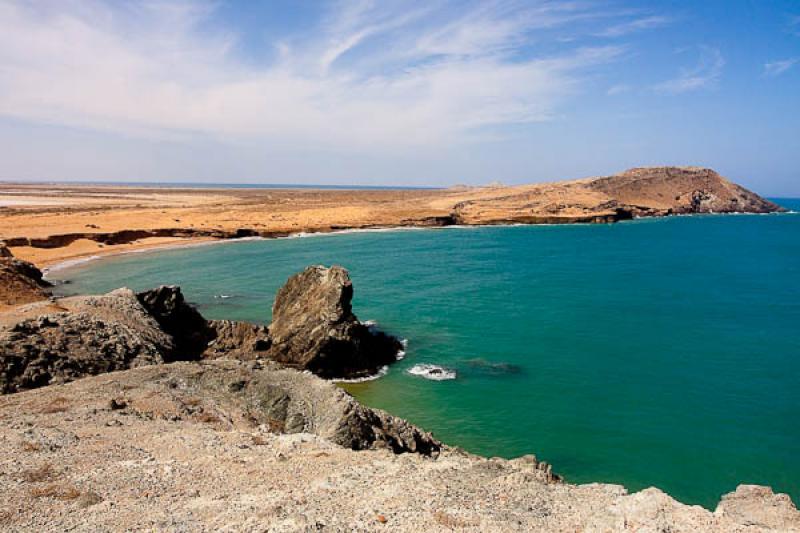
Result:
pixel 776 68
pixel 155 69
pixel 703 75
pixel 636 25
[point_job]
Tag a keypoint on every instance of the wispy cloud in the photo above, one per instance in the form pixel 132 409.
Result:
pixel 636 25
pixel 794 24
pixel 620 88
pixel 703 75
pixel 372 75
pixel 776 68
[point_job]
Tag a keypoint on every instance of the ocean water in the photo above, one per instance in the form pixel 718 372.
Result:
pixel 653 352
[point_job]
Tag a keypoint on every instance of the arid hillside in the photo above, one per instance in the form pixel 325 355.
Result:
pixel 50 223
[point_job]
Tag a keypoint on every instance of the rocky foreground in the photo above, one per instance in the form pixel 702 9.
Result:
pixel 130 411
pixel 242 446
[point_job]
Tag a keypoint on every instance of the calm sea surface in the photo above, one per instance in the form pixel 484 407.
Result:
pixel 653 352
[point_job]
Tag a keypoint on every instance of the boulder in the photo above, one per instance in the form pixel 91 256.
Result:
pixel 314 328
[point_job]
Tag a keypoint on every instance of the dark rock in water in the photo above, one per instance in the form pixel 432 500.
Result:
pixel 100 334
pixel 494 368
pixel 313 327
pixel 188 328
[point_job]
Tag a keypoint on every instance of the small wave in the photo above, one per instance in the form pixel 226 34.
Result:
pixel 401 354
pixel 223 296
pixel 69 263
pixel 432 372
pixel 379 374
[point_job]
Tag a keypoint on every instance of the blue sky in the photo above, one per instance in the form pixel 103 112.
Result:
pixel 404 93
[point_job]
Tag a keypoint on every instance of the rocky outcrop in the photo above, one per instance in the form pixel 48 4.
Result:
pixel 98 334
pixel 313 327
pixel 638 192
pixel 287 401
pixel 654 191
pixel 20 282
pixel 187 327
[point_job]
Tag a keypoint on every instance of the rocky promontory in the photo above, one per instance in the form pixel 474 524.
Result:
pixel 637 192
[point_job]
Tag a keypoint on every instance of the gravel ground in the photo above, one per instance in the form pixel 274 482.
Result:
pixel 144 449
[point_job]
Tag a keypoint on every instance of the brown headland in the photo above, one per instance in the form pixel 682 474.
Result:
pixel 47 224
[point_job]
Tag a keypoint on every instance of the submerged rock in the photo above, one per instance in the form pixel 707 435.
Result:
pixel 313 327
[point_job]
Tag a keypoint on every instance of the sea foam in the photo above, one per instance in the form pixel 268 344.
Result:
pixel 432 372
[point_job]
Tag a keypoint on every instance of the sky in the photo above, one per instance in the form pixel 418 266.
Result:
pixel 398 93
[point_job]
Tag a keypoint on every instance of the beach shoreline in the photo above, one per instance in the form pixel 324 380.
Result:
pixel 71 222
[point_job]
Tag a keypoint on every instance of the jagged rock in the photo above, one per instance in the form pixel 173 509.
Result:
pixel 100 334
pixel 759 507
pixel 4 251
pixel 313 327
pixel 238 340
pixel 189 330
pixel 94 334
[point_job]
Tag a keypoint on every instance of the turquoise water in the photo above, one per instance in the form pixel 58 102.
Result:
pixel 652 352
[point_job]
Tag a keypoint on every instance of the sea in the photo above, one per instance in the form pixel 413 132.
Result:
pixel 654 352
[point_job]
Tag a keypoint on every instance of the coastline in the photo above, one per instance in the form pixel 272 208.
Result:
pixel 103 220
pixel 58 261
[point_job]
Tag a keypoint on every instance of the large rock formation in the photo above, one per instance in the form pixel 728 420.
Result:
pixel 313 327
pixel 314 330
pixel 679 190
pixel 638 192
